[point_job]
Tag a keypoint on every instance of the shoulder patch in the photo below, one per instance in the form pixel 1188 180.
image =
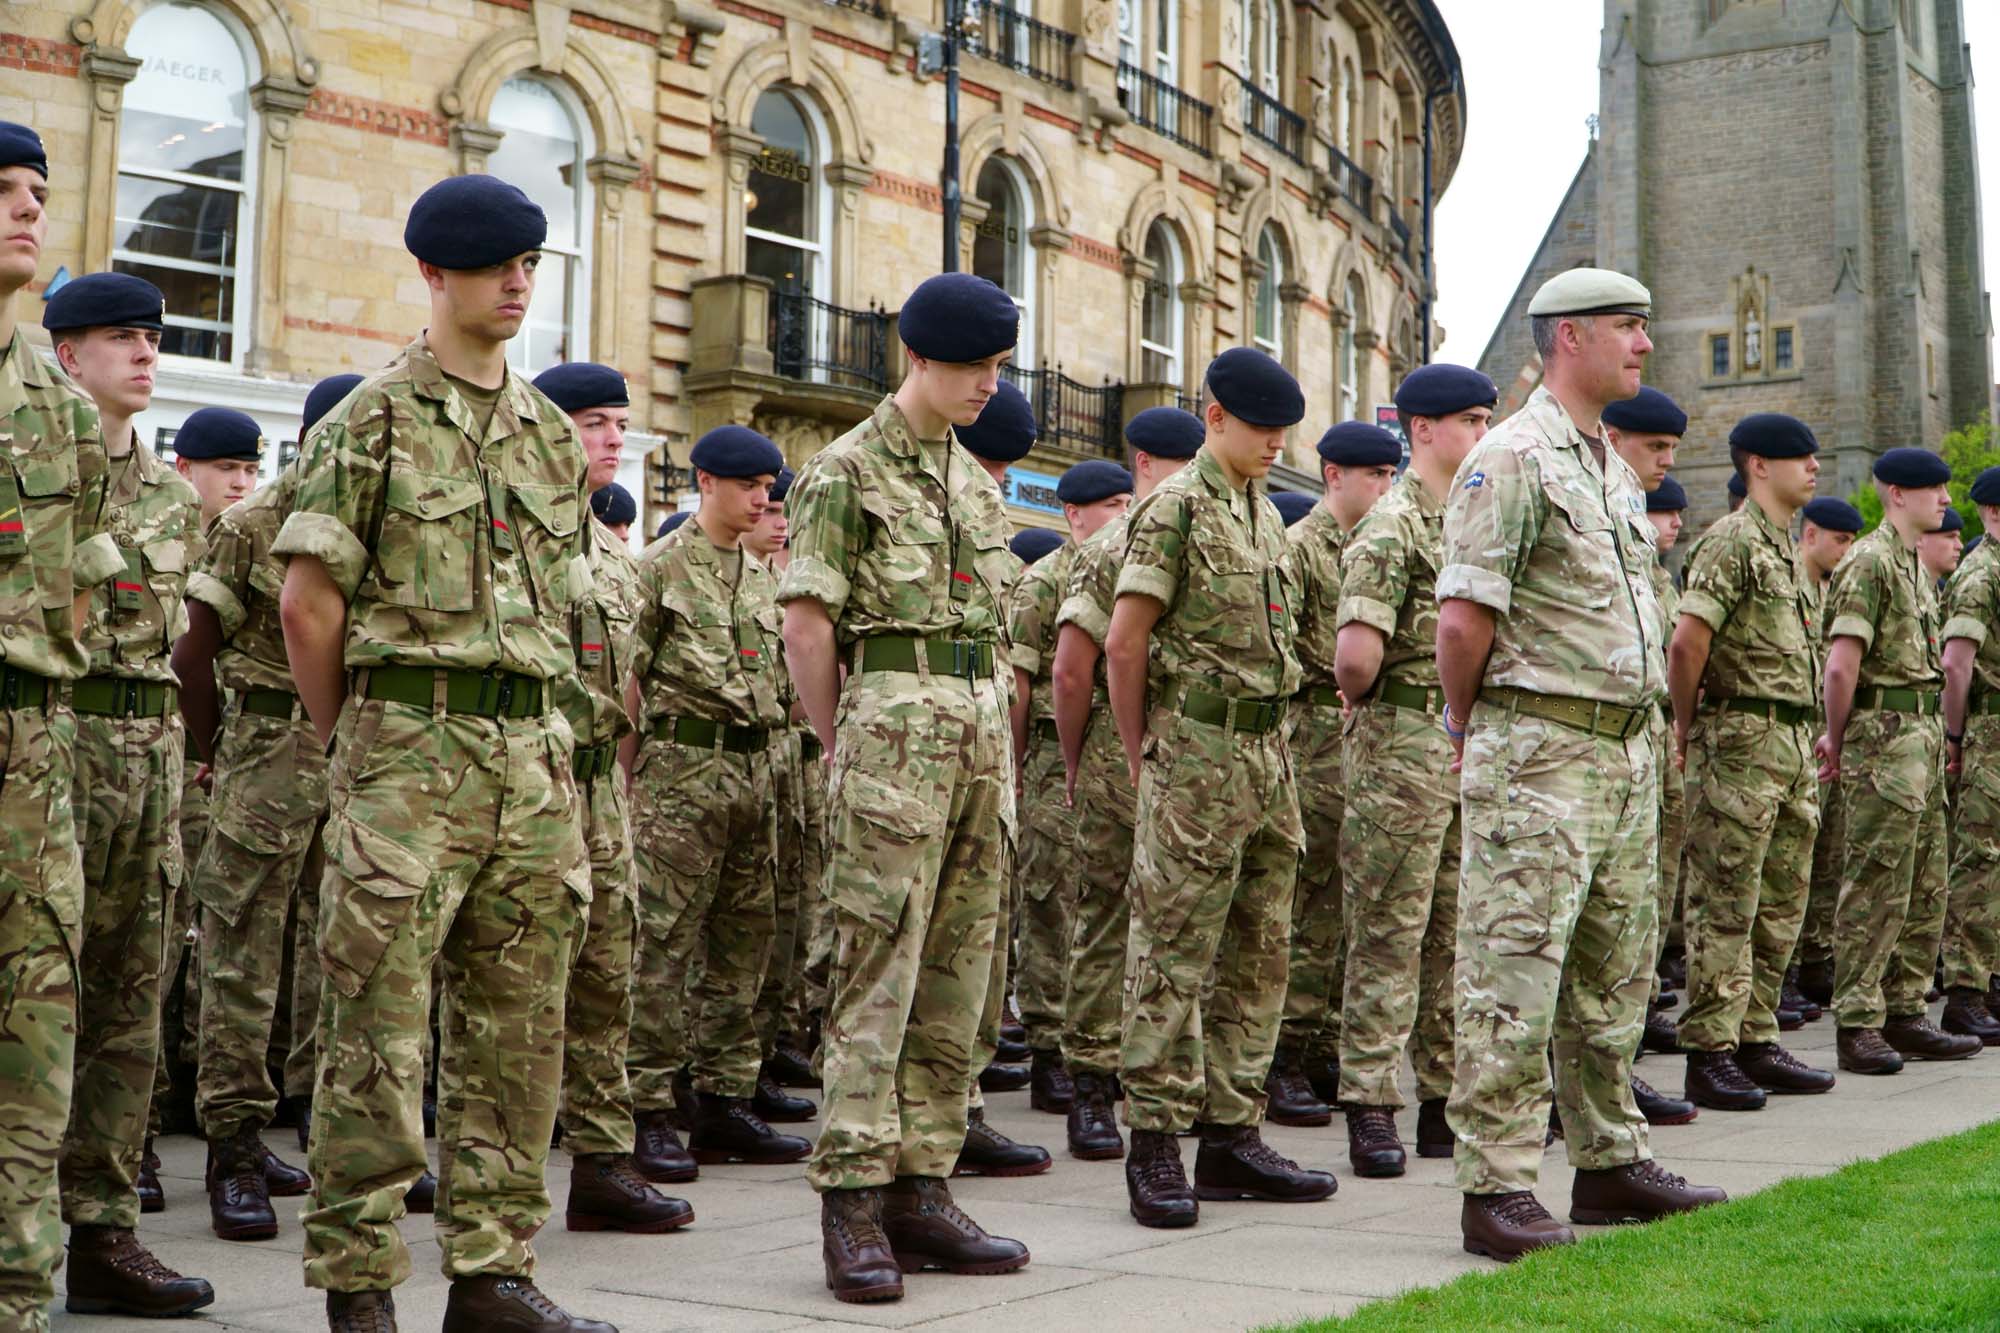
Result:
pixel 1474 482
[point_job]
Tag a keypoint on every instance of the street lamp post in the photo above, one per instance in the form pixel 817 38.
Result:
pixel 948 176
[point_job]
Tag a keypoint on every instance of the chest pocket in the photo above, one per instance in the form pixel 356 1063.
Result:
pixel 547 534
pixel 35 539
pixel 1227 595
pixel 166 574
pixel 1594 575
pixel 430 532
pixel 698 642
pixel 907 554
pixel 759 649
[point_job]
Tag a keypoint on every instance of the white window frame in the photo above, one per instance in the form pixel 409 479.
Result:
pixel 242 273
pixel 1171 353
pixel 577 317
pixel 820 248
pixel 1274 278
pixel 1350 111
pixel 1350 355
pixel 1024 300
pixel 1260 21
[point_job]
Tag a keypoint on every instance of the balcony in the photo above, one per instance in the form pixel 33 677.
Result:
pixel 757 352
pixel 1022 43
pixel 1401 231
pixel 1074 416
pixel 828 344
pixel 865 6
pixel 1356 186
pixel 1265 117
pixel 1166 110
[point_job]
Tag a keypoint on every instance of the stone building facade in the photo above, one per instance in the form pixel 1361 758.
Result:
pixel 742 190
pixel 1798 186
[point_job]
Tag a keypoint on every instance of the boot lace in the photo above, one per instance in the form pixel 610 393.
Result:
pixel 1251 1149
pixel 1652 1173
pixel 1726 1074
pixel 657 1137
pixel 1159 1167
pixel 129 1256
pixel 1373 1127
pixel 623 1174
pixel 1518 1209
pixel 854 1218
pixel 986 1134
pixel 532 1296
pixel 1644 1091
pixel 1778 1057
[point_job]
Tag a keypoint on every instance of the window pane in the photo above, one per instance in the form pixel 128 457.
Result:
pixel 188 109
pixel 996 244
pixel 540 153
pixel 190 295
pixel 789 269
pixel 177 221
pixel 544 340
pixel 1781 349
pixel 1718 355
pixel 781 178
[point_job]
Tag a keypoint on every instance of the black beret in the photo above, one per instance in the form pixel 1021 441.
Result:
pixel 325 396
pixel 1833 515
pixel 1254 388
pixel 1773 435
pixel 737 451
pixel 575 386
pixel 1736 486
pixel 614 504
pixel 1650 412
pixel 218 432
pixel 473 222
pixel 1005 430
pixel 783 485
pixel 1166 432
pixel 1953 521
pixel 1667 497
pixel 1031 544
pixel 1093 480
pixel 959 317
pixel 1358 444
pixel 672 521
pixel 1986 487
pixel 22 147
pixel 1912 467
pixel 106 301
pixel 1442 389
pixel 1295 505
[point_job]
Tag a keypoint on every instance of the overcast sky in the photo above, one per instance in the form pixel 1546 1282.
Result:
pixel 1525 149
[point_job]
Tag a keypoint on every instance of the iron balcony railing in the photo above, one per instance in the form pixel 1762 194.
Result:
pixel 1401 230
pixel 1075 416
pixel 1166 110
pixel 1020 42
pixel 1270 120
pixel 1355 185
pixel 814 340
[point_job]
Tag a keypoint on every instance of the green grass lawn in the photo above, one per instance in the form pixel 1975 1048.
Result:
pixel 1911 1241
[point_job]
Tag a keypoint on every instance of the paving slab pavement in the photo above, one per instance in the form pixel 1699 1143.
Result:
pixel 750 1263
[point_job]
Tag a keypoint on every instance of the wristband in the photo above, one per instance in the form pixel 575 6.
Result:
pixel 1959 739
pixel 1456 733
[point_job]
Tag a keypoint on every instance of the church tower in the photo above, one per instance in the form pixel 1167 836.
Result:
pixel 1796 182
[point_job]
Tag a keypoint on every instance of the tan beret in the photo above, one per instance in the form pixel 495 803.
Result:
pixel 1591 291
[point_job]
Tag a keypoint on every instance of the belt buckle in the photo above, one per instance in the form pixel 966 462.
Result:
pixel 964 657
pixel 506 698
pixel 10 688
pixel 131 698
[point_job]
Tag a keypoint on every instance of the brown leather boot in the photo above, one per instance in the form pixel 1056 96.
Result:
pixel 1290 1096
pixel 1507 1226
pixel 281 1179
pixel 1966 1015
pixel 1156 1184
pixel 1716 1081
pixel 1862 1051
pixel 1772 1066
pixel 305 1110
pixel 791 1067
pixel 988 1152
pixel 658 1152
pixel 772 1102
pixel 152 1199
pixel 998 1077
pixel 859 1266
pixel 607 1193
pixel 421 1198
pixel 926 1229
pixel 1374 1148
pixel 1660 1033
pixel 506 1304
pixel 360 1312
pixel 1914 1036
pixel 727 1130
pixel 1234 1162
pixel 1050 1087
pixel 1658 1108
pixel 1636 1192
pixel 1434 1136
pixel 110 1272
pixel 239 1203
pixel 1093 1129
pixel 1816 981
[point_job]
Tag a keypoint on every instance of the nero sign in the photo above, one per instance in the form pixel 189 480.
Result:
pixel 1032 490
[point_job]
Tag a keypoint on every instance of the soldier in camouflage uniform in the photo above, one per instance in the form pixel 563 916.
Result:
pixel 707 696
pixel 1828 533
pixel 1549 656
pixel 129 751
pixel 1741 675
pixel 1099 787
pixel 1884 743
pixel 436 549
pixel 53 552
pixel 1972 734
pixel 607 1191
pixel 1399 845
pixel 1200 665
pixel 900 567
pixel 1092 494
pixel 1305 1072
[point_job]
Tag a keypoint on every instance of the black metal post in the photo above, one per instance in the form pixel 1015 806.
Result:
pixel 948 180
pixel 1430 264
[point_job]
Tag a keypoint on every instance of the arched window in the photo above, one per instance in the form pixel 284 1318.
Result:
pixel 787 221
pixel 1001 252
pixel 1260 44
pixel 185 190
pixel 1350 350
pixel 1269 331
pixel 542 150
pixel 1350 113
pixel 1160 325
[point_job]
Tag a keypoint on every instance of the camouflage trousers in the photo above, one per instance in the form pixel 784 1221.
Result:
pixel 1045 880
pixel 1673 843
pixel 705 830
pixel 180 979
pixel 1557 914
pixel 596 1111
pixel 789 894
pixel 922 824
pixel 1749 841
pixel 1215 860
pixel 127 801
pixel 1829 852
pixel 1972 914
pixel 41 906
pixel 301 1045
pixel 805 991
pixel 451 839
pixel 269 796
pixel 1890 914
pixel 1399 854
pixel 1101 914
pixel 1317 974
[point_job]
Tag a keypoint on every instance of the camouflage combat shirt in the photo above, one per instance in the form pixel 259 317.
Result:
pixel 1389 575
pixel 603 626
pixel 1744 584
pixel 1881 596
pixel 1032 624
pixel 706 641
pixel 1317 549
pixel 240 581
pixel 155 517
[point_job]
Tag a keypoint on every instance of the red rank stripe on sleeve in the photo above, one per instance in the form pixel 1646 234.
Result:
pixel 593 647
pixel 123 586
pixel 1274 606
pixel 501 524
pixel 749 652
pixel 962 578
pixel 11 525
